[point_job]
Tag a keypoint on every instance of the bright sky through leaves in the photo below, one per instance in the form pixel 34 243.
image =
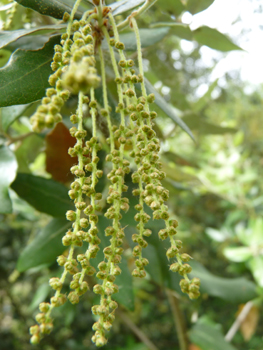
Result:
pixel 238 19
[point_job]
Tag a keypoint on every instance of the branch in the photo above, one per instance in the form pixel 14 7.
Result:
pixel 137 331
pixel 235 326
pixel 178 320
pixel 18 138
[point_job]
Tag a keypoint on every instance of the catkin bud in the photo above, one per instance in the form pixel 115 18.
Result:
pixel 71 215
pixel 35 339
pixel 73 298
pixel 34 329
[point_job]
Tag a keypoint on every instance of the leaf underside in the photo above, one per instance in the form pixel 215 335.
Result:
pixel 125 5
pixel 9 37
pixel 10 114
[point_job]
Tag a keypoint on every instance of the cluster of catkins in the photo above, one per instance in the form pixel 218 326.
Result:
pixel 75 73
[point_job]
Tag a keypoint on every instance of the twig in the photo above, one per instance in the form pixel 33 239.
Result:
pixel 18 138
pixel 138 332
pixel 178 320
pixel 240 318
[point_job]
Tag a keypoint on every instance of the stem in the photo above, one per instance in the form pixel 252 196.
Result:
pixel 136 13
pixel 74 10
pixel 105 96
pixel 122 56
pixel 93 181
pixel 139 55
pixel 139 52
pixel 137 331
pixel 178 320
pixel 117 74
pixel 62 280
pixel 164 24
pixel 93 114
pixel 100 17
pixel 80 158
pixel 116 34
pixel 94 151
pixel 90 16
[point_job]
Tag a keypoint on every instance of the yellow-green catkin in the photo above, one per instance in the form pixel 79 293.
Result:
pixel 109 269
pixel 132 144
pixel 83 187
pixel 133 106
pixel 155 195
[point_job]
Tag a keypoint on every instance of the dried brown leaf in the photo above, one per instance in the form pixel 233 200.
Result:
pixel 249 324
pixel 58 161
pixel 194 347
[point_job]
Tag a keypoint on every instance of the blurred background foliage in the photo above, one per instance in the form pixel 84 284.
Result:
pixel 216 192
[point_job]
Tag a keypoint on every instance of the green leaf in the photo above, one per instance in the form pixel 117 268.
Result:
pixel 53 8
pixel 214 39
pixel 45 195
pixel 195 6
pixel 45 247
pixel 205 99
pixel 124 281
pixel 158 267
pixel 238 254
pixel 115 117
pixel 180 160
pixel 255 231
pixel 167 109
pixel 4 57
pixel 195 122
pixel 208 337
pixel 176 174
pixel 8 167
pixel 10 114
pixel 10 36
pixel 25 78
pixel 236 290
pixel 155 267
pixel 148 37
pixel 256 266
pixel 181 30
pixel 218 235
pixel 125 5
pixel 173 7
pixel 39 296
pixel 29 150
